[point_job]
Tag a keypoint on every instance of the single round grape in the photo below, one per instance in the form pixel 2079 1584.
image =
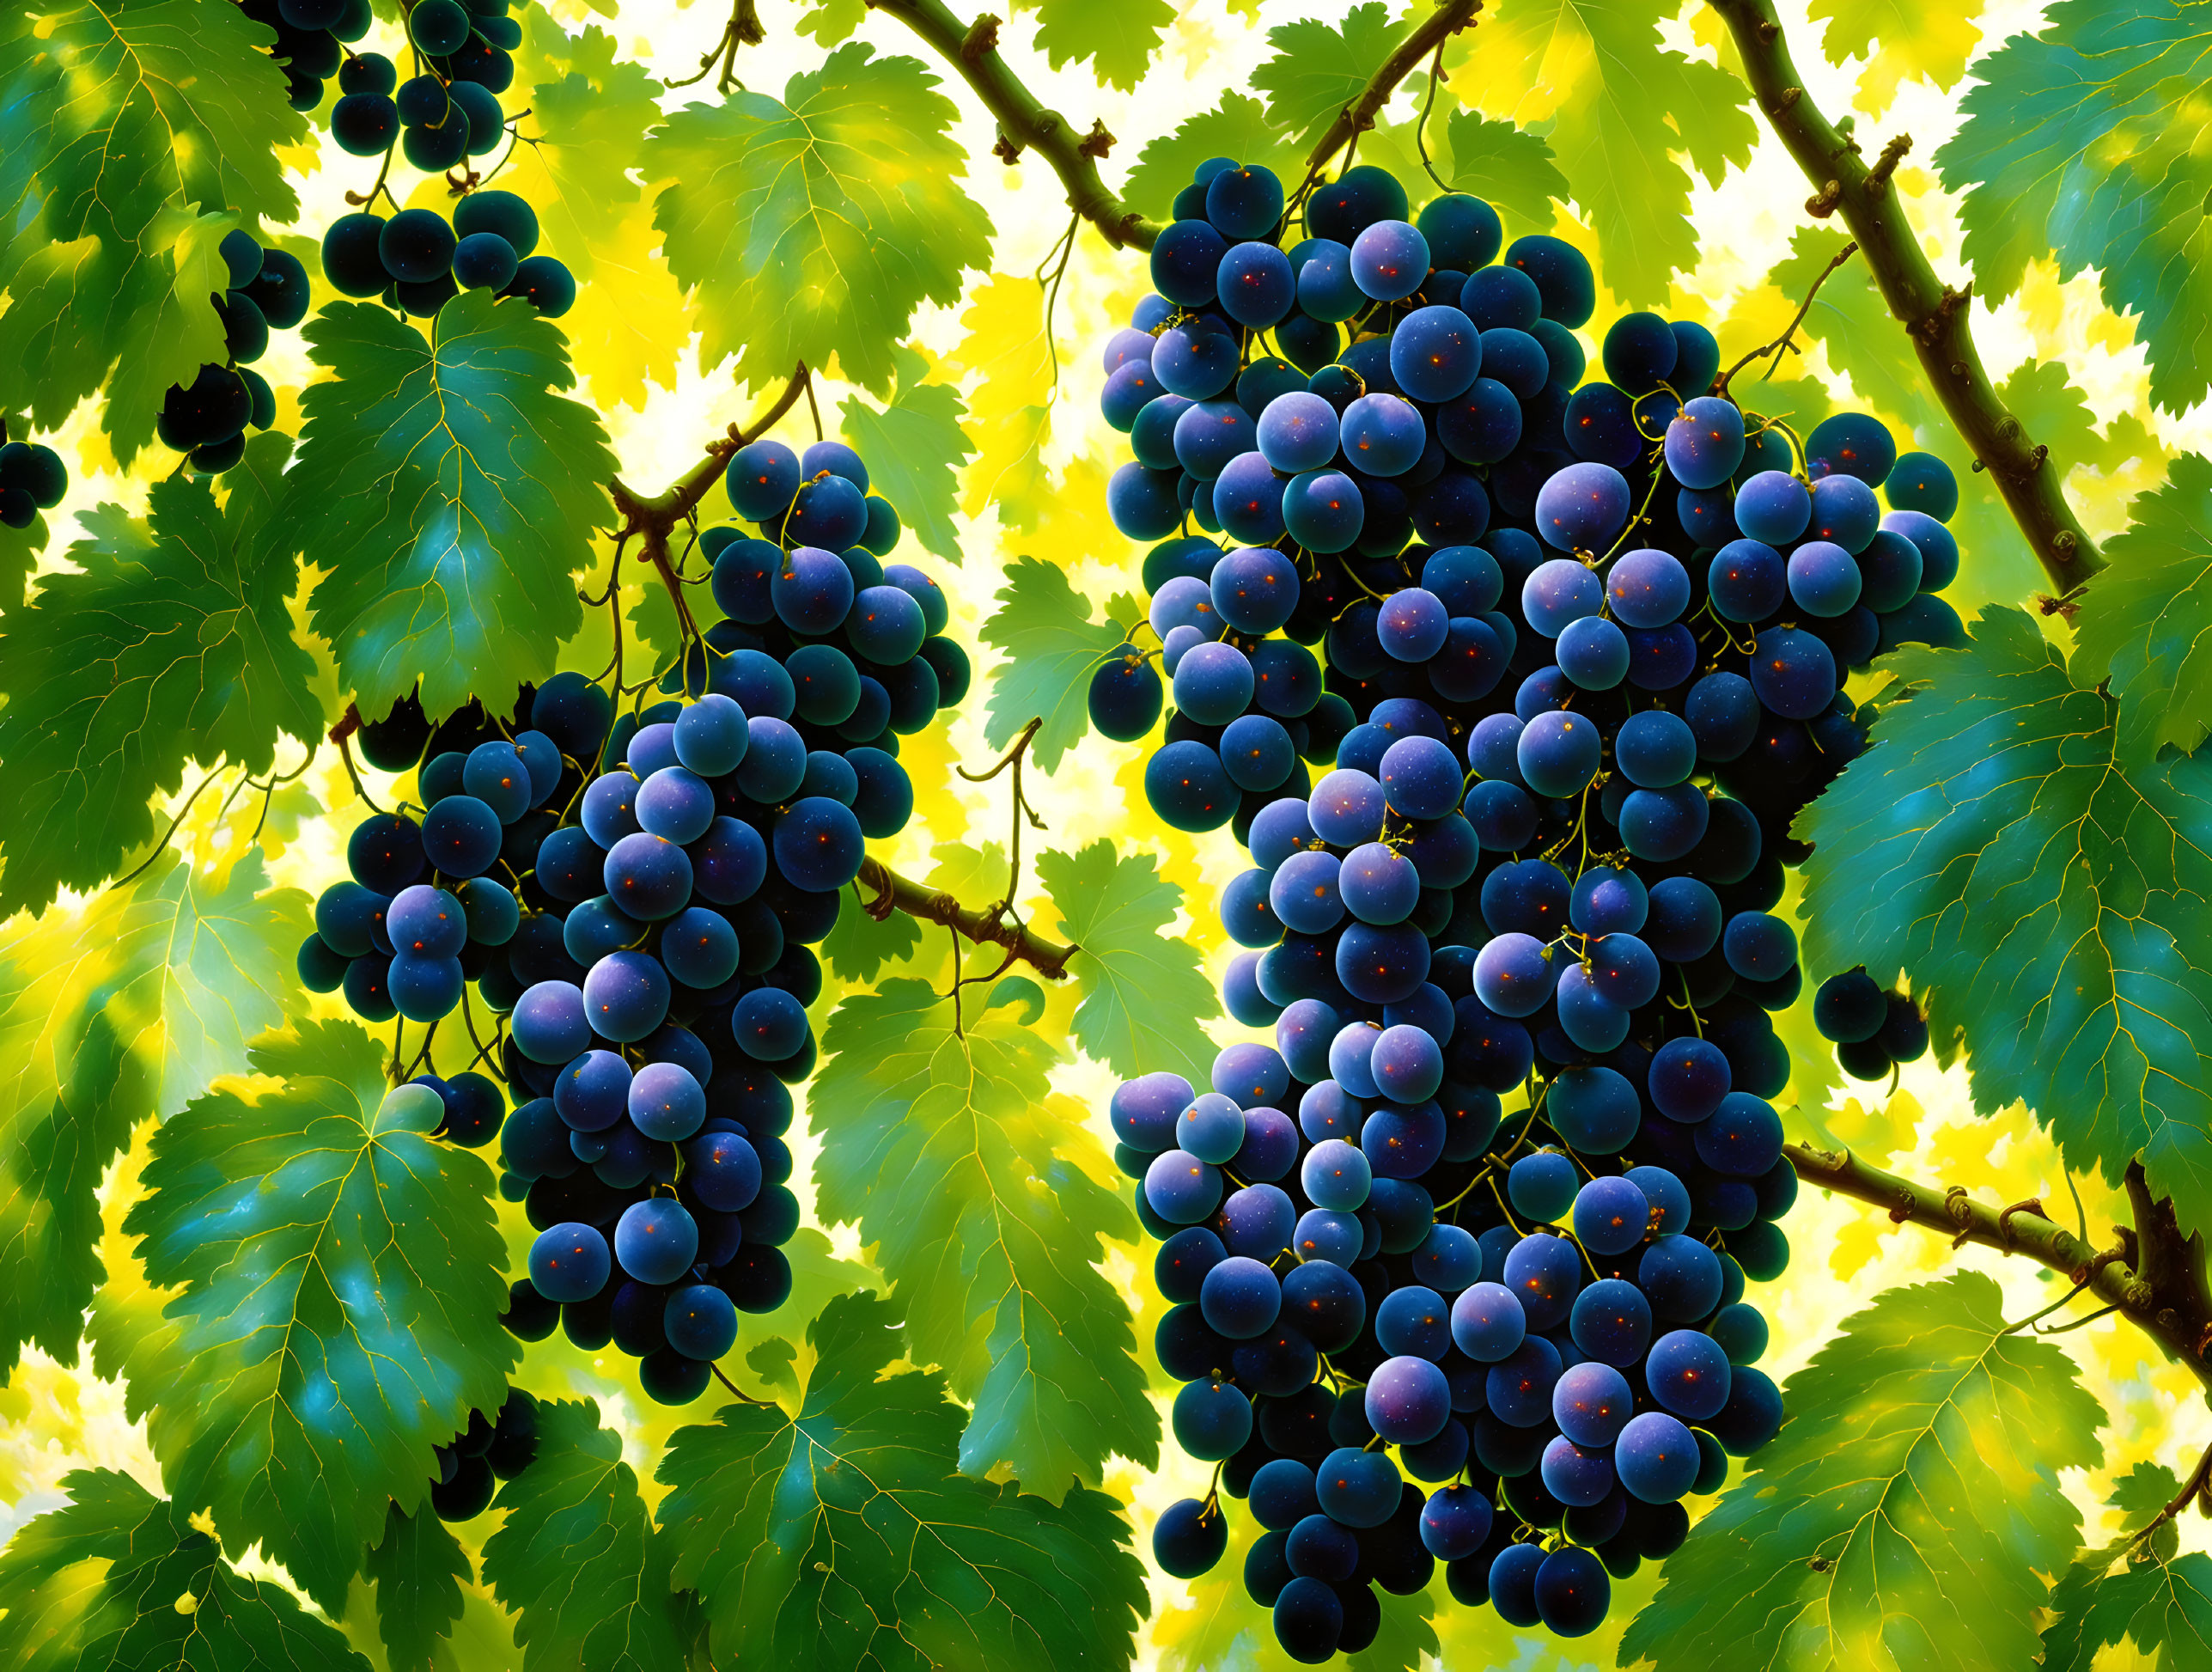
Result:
pixel 1185 259
pixel 1559 754
pixel 625 995
pixel 1382 435
pixel 1611 1215
pixel 1571 1592
pixel 569 1262
pixel 1189 1537
pixel 1611 1321
pixel 1518 1389
pixel 1435 353
pixel 1773 507
pixel 1922 482
pixel 1688 1373
pixel 1408 1400
pixel 1705 441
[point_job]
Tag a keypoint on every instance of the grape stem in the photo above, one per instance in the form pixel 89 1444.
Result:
pixel 1024 124
pixel 652 519
pixel 1357 117
pixel 1023 944
pixel 2155 1278
pixel 1783 344
pixel 1934 315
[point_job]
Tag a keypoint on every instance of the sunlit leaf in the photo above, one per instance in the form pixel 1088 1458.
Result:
pixel 174 642
pixel 447 489
pixel 2148 617
pixel 974 1183
pixel 1907 1513
pixel 1238 127
pixel 2050 904
pixel 1144 994
pixel 1117 40
pixel 1900 43
pixel 418 1568
pixel 916 447
pixel 844 1536
pixel 813 225
pixel 342 1283
pixel 1043 628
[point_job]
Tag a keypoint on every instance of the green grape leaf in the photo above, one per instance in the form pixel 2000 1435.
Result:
pixel 1509 166
pixel 1929 1548
pixel 2082 140
pixel 2148 1593
pixel 118 1577
pixel 1623 109
pixel 448 492
pixel 1043 628
pixel 1900 42
pixel 1118 41
pixel 19 558
pixel 1239 126
pixel 174 642
pixel 1144 994
pixel 125 131
pixel 2148 619
pixel 815 225
pixel 842 1537
pixel 2053 908
pixel 418 1568
pixel 831 21
pixel 915 448
pixel 341 1278
pixel 976 1184
pixel 858 945
pixel 594 113
pixel 1317 70
pixel 578 1562
pixel 108 1016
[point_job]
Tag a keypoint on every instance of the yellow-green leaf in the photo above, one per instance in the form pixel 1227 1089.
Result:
pixel 1144 994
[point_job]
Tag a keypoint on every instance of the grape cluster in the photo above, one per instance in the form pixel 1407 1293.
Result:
pixel 638 895
pixel 208 418
pixel 418 260
pixel 33 479
pixel 448 113
pixel 1873 1031
pixel 311 39
pixel 1517 831
pixel 489 1450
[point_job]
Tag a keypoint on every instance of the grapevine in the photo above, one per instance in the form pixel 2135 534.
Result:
pixel 856 834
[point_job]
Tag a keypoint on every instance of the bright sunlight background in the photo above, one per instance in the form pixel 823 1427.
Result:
pixel 1048 450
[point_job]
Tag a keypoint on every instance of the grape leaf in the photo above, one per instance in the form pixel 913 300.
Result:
pixel 1509 166
pixel 418 1568
pixel 579 1562
pixel 1043 627
pixel 1118 41
pixel 858 945
pixel 1900 42
pixel 123 1011
pixel 1928 1546
pixel 2159 1601
pixel 341 1278
pixel 1317 70
pixel 1144 994
pixel 1239 126
pixel 174 644
pixel 1010 401
pixel 815 225
pixel 915 448
pixel 842 1537
pixel 2148 619
pixel 2053 907
pixel 120 125
pixel 830 21
pixel 118 1577
pixel 1623 109
pixel 975 1183
pixel 448 492
pixel 589 115
pixel 2081 140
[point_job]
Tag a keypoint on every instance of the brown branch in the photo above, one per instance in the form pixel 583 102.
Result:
pixel 1934 314
pixel 1357 117
pixel 972 50
pixel 2169 1308
pixel 896 893
pixel 2199 1481
pixel 652 519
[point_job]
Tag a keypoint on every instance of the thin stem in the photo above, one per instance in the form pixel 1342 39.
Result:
pixel 161 846
pixel 1777 347
pixel 1356 118
pixel 1420 127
